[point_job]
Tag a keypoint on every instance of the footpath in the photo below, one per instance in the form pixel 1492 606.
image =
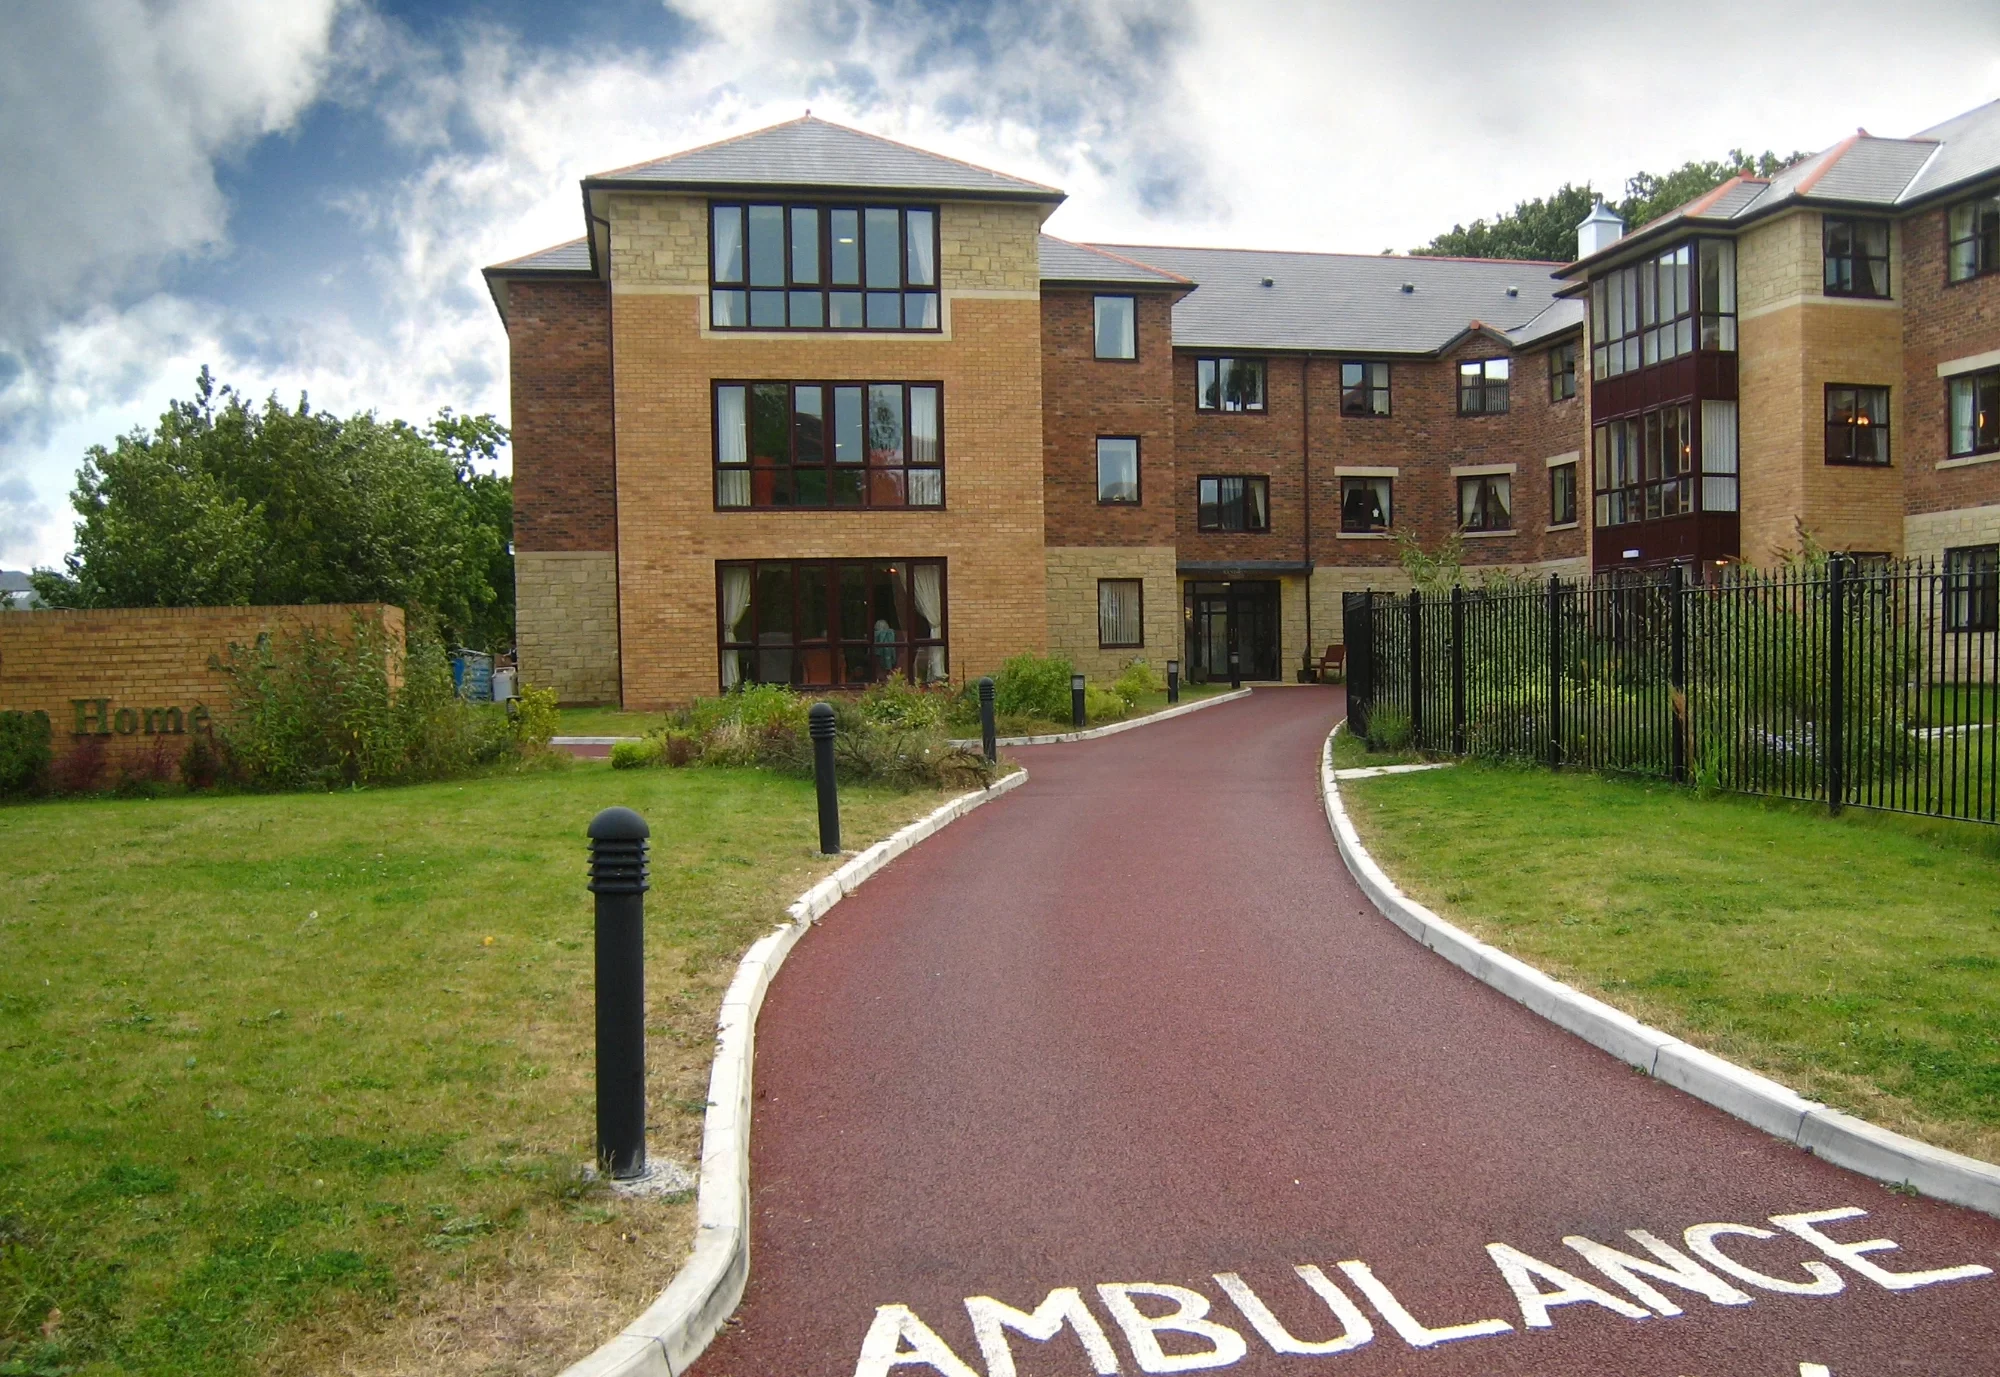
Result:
pixel 1123 1073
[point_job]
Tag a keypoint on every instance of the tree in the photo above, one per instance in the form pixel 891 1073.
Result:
pixel 225 503
pixel 1545 229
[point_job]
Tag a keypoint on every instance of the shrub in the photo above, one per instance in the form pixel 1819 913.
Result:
pixel 1033 686
pixel 1102 705
pixel 26 751
pixel 535 718
pixel 896 702
pixel 633 755
pixel 80 770
pixel 205 762
pixel 1138 679
pixel 315 710
pixel 1389 729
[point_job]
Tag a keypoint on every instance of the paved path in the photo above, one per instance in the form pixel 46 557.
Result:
pixel 1134 1024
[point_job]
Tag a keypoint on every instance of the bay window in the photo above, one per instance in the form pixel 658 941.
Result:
pixel 1664 307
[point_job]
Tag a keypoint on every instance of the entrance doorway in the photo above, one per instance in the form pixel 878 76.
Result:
pixel 1241 615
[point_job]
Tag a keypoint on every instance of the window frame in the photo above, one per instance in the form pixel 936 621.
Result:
pixel 1138 496
pixel 1639 480
pixel 1243 503
pixel 1853 429
pixel 826 287
pixel 1621 334
pixel 1484 387
pixel 1991 378
pixel 1458 508
pixel 1130 300
pixel 1562 372
pixel 1972 596
pixel 835 643
pixel 1556 518
pixel 866 468
pixel 1139 644
pixel 1855 260
pixel 1369 389
pixel 1221 406
pixel 1363 480
pixel 1984 264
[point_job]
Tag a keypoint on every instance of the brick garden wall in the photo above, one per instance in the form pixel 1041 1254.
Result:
pixel 137 680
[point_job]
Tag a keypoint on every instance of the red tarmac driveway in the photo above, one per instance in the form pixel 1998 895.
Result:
pixel 1135 1024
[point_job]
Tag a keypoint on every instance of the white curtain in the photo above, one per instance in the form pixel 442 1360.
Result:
pixel 1718 456
pixel 1118 612
pixel 926 487
pixel 735 602
pixel 927 588
pixel 732 489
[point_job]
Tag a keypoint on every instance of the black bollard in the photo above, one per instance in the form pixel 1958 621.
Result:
pixel 1076 700
pixel 1235 669
pixel 1173 681
pixel 988 733
pixel 618 879
pixel 819 722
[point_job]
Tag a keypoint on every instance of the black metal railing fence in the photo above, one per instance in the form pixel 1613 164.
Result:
pixel 1875 686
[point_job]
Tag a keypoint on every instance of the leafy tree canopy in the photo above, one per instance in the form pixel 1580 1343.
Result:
pixel 227 503
pixel 1545 228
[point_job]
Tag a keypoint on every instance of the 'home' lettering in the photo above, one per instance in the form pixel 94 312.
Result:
pixel 95 717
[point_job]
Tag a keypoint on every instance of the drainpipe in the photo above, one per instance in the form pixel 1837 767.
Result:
pixel 1305 472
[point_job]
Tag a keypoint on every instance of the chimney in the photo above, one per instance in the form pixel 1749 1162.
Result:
pixel 1600 229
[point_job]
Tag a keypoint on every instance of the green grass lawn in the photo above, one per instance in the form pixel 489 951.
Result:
pixel 304 1083
pixel 617 722
pixel 1855 958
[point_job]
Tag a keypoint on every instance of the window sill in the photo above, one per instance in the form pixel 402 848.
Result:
pixel 1861 464
pixel 1104 502
pixel 1966 461
pixel 1562 526
pixel 1362 535
pixel 1220 411
pixel 1488 535
pixel 826 511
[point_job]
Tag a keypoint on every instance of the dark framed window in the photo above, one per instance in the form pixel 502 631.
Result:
pixel 1645 466
pixel 1562 495
pixel 1118 470
pixel 1562 372
pixel 1857 424
pixel 1664 307
pixel 1482 387
pixel 814 267
pixel 1972 588
pixel 828 622
pixel 1857 256
pixel 1974 400
pixel 1115 322
pixel 841 444
pixel 1233 503
pixel 1486 502
pixel 1972 238
pixel 1364 388
pixel 1224 384
pixel 1366 505
pixel 1121 614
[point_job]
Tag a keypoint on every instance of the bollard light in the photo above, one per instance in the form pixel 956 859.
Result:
pixel 618 878
pixel 988 733
pixel 1076 699
pixel 1173 681
pixel 819 725
pixel 1235 669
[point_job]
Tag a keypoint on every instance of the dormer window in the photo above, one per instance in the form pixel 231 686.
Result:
pixel 805 267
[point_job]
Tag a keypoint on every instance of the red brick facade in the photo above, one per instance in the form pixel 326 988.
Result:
pixel 564 490
pixel 1942 321
pixel 1084 397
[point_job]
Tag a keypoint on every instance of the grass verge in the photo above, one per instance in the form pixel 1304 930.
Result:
pixel 1856 959
pixel 303 1083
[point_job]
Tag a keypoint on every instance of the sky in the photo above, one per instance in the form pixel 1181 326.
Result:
pixel 299 194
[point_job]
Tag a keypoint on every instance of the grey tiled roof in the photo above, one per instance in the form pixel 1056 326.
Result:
pixel 813 152
pixel 573 256
pixel 1063 261
pixel 1561 316
pixel 1343 302
pixel 1970 148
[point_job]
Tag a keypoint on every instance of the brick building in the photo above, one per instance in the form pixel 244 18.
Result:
pixel 811 406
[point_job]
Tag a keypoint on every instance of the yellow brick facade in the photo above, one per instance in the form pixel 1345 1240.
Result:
pixel 566 623
pixel 1073 572
pixel 1793 340
pixel 665 360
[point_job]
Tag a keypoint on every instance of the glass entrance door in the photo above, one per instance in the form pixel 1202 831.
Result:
pixel 1241 614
